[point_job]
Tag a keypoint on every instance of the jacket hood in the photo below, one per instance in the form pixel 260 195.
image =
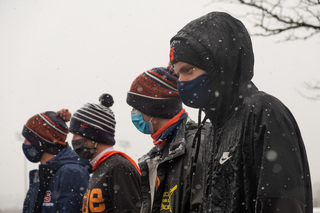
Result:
pixel 225 49
pixel 67 156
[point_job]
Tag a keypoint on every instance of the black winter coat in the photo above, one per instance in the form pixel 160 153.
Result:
pixel 113 187
pixel 254 157
pixel 165 175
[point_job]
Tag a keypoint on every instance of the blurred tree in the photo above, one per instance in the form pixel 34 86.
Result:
pixel 300 19
pixel 316 195
pixel 294 19
pixel 124 144
pixel 311 91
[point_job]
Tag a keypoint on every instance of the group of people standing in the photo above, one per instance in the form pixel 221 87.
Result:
pixel 245 155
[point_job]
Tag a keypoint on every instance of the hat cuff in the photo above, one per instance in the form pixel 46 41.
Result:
pixel 155 107
pixel 40 142
pixel 184 52
pixel 91 133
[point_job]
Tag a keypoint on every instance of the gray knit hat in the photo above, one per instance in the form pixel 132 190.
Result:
pixel 95 122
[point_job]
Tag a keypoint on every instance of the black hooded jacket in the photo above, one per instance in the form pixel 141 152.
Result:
pixel 254 157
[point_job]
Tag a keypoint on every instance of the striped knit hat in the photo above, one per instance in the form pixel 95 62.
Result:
pixel 95 122
pixel 48 131
pixel 155 93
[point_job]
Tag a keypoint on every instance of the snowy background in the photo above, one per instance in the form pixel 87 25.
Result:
pixel 64 53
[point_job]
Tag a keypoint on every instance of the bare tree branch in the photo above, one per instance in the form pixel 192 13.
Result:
pixel 299 18
pixel 293 19
pixel 313 91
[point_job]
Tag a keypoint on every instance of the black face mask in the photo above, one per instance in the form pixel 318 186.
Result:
pixel 81 148
pixel 195 93
pixel 32 153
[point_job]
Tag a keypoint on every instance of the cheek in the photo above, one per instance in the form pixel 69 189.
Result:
pixel 76 137
pixel 198 72
pixel 146 118
pixel 26 142
pixel 90 144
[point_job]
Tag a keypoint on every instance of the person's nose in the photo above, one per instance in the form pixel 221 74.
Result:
pixel 182 78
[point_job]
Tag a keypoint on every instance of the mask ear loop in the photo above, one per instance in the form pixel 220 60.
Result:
pixel 95 144
pixel 151 125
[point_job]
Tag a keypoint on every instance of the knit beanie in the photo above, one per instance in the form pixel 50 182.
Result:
pixel 95 122
pixel 180 50
pixel 155 93
pixel 48 131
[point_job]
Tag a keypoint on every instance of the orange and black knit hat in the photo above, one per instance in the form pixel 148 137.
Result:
pixel 48 131
pixel 155 93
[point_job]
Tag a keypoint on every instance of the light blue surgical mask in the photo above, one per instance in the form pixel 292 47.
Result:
pixel 140 124
pixel 32 153
pixel 195 93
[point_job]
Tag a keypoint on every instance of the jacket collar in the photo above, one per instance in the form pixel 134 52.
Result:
pixel 173 150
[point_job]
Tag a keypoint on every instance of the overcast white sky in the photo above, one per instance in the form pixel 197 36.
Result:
pixel 62 54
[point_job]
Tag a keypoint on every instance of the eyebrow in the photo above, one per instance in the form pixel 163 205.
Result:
pixel 184 67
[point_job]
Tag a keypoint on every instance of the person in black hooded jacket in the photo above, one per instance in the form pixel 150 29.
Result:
pixel 254 157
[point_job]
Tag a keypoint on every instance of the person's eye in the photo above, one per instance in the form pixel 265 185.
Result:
pixel 191 69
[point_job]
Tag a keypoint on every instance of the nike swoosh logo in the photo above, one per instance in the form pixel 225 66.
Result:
pixel 225 156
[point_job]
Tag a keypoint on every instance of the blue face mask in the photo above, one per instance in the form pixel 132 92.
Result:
pixel 140 124
pixel 195 93
pixel 32 153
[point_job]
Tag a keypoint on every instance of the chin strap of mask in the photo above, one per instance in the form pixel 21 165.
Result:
pixel 196 143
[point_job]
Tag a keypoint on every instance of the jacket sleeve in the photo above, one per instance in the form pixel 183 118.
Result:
pixel 73 182
pixel 31 196
pixel 125 188
pixel 282 169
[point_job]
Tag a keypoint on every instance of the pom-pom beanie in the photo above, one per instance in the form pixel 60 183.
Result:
pixel 48 131
pixel 155 93
pixel 95 122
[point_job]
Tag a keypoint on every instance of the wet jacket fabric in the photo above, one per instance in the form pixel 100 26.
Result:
pixel 58 185
pixel 254 156
pixel 165 175
pixel 115 185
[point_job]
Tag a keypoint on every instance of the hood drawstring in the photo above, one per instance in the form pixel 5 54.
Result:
pixel 196 143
